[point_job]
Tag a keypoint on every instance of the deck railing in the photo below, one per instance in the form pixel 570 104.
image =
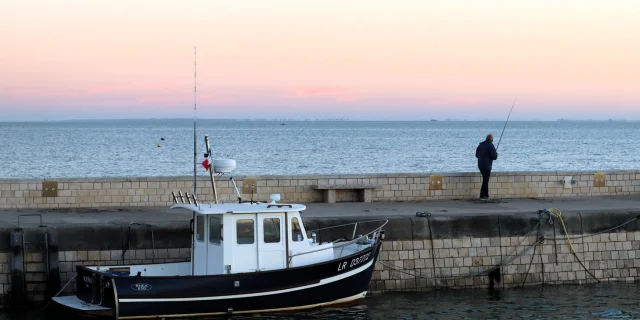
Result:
pixel 375 233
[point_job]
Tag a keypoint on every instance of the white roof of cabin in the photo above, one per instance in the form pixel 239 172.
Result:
pixel 221 208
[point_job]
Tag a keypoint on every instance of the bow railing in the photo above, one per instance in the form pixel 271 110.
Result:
pixel 341 243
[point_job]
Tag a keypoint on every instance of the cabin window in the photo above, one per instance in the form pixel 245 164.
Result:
pixel 296 231
pixel 199 228
pixel 245 231
pixel 215 229
pixel 271 230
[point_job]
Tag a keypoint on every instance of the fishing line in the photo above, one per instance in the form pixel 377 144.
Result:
pixel 505 124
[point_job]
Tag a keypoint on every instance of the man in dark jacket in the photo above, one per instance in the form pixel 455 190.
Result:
pixel 486 153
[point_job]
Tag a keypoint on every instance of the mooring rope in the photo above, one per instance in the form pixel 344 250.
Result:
pixel 501 264
pixel 471 275
pixel 566 233
pixel 553 212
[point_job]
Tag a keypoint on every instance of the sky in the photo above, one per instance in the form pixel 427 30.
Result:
pixel 367 60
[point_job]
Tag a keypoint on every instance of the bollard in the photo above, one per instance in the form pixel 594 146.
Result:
pixel 53 265
pixel 18 292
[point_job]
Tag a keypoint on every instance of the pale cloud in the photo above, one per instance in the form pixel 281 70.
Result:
pixel 336 93
pixel 129 87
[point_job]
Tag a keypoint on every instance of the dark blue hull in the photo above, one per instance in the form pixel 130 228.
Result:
pixel 338 281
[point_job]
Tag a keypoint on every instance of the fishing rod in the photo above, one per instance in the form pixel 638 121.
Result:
pixel 505 124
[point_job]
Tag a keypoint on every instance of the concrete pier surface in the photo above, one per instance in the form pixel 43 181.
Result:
pixel 360 210
pixel 103 228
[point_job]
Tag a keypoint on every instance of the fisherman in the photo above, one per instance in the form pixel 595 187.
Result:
pixel 486 154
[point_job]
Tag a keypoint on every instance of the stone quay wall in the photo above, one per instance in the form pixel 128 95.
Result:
pixel 436 251
pixel 36 270
pixel 83 244
pixel 418 254
pixel 425 265
pixel 156 191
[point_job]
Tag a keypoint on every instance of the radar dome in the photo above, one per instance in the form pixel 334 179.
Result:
pixel 223 165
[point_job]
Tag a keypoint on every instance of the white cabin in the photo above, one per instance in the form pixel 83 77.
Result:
pixel 246 237
pixel 250 237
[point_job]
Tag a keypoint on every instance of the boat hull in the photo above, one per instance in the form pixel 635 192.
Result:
pixel 339 281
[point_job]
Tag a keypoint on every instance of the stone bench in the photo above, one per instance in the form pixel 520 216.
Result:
pixel 365 191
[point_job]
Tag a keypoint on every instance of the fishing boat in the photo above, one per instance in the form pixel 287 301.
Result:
pixel 247 257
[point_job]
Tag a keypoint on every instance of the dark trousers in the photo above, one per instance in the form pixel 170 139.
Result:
pixel 484 191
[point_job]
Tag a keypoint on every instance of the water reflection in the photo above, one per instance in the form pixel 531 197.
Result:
pixel 602 301
pixel 606 301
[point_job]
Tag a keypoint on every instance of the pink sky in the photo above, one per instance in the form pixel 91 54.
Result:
pixel 329 59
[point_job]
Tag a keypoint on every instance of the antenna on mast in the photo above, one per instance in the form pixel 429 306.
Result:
pixel 193 219
pixel 195 160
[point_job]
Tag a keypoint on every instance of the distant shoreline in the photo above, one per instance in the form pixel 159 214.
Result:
pixel 303 120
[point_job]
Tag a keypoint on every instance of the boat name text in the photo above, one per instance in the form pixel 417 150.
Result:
pixel 354 262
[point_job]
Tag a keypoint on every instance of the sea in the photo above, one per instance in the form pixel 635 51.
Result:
pixel 593 301
pixel 165 147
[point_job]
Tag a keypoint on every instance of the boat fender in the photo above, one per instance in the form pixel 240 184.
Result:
pixel 494 276
pixel 423 214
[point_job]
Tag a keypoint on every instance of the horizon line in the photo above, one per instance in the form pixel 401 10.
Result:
pixel 322 119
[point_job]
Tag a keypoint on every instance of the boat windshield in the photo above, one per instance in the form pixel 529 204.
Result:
pixel 296 231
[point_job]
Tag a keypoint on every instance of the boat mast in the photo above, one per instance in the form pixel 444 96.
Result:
pixel 195 160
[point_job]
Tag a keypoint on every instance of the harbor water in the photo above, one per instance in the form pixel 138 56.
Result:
pixel 594 301
pixel 144 148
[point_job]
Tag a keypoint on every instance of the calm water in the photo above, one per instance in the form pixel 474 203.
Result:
pixel 129 148
pixel 603 301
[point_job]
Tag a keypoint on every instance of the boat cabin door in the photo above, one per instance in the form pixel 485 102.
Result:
pixel 259 242
pixel 245 247
pixel 208 247
pixel 271 243
pixel 200 257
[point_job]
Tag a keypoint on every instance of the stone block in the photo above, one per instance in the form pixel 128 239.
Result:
pixel 141 254
pixel 394 255
pixel 33 257
pixel 408 264
pixel 35 267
